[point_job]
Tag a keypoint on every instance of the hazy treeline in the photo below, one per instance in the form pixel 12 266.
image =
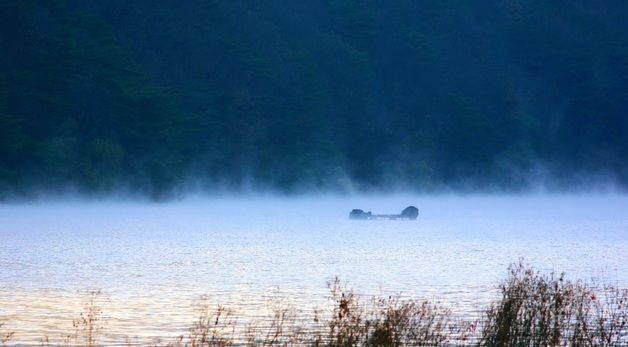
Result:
pixel 299 95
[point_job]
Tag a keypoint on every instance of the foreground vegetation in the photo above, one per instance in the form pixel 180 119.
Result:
pixel 534 310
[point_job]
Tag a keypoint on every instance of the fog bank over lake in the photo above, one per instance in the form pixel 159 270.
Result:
pixel 159 258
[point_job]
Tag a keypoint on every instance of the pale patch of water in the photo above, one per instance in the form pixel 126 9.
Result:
pixel 154 260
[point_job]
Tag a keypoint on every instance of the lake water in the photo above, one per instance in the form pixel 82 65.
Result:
pixel 153 261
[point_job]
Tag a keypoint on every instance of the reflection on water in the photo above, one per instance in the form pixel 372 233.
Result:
pixel 154 261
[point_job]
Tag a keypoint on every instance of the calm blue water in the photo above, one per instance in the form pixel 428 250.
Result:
pixel 153 260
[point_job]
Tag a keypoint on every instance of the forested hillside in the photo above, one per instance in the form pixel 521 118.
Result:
pixel 155 96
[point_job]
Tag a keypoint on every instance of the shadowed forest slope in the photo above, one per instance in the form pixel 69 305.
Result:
pixel 300 95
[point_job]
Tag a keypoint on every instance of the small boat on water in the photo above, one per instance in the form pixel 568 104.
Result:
pixel 408 213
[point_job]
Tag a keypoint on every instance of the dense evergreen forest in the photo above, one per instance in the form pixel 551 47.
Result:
pixel 158 96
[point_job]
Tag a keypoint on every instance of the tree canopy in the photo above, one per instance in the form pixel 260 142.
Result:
pixel 292 96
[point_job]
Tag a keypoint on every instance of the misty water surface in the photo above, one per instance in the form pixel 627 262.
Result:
pixel 153 261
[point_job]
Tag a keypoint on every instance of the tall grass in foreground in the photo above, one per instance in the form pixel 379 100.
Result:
pixel 533 309
pixel 547 310
pixel 5 337
pixel 351 321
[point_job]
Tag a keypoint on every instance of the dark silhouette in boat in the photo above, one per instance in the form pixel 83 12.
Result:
pixel 409 213
pixel 360 214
